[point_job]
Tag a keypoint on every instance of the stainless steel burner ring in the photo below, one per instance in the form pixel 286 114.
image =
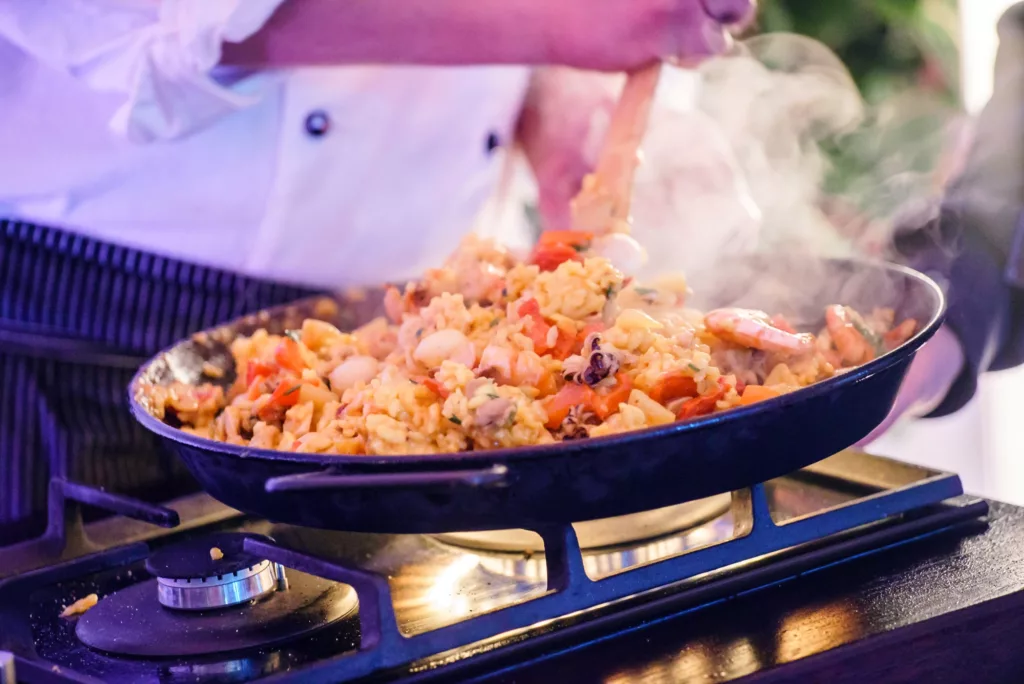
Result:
pixel 220 591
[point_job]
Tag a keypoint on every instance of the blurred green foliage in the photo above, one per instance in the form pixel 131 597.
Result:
pixel 904 57
pixel 888 45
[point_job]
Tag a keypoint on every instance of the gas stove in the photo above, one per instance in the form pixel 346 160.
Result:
pixel 194 591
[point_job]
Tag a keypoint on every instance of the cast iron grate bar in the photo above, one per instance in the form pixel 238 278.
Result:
pixel 571 590
pixel 65 536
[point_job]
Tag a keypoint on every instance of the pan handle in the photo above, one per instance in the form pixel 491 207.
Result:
pixel 332 479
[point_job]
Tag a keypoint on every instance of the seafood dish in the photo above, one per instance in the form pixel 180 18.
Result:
pixel 493 351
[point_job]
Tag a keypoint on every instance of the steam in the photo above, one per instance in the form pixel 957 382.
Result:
pixel 742 166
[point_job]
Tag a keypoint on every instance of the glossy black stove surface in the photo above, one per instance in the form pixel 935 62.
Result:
pixel 195 558
pixel 942 609
pixel 56 642
pixel 434 585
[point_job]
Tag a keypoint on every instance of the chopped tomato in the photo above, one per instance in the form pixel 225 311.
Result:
pixel 285 396
pixel 289 357
pixel 755 393
pixel 555 247
pixel 529 307
pixel 538 332
pixel 255 390
pixel 558 405
pixel 672 386
pixel 257 369
pixel 435 387
pixel 550 257
pixel 605 404
pixel 546 385
pixel 565 345
pixel 602 404
pixel 536 327
pixel 700 406
pixel 579 239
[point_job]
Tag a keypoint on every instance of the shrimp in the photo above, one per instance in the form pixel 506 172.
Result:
pixel 848 334
pixel 444 345
pixel 398 303
pixel 378 337
pixel 754 329
pixel 476 270
pixel 497 362
pixel 900 334
pixel 353 371
pixel 316 334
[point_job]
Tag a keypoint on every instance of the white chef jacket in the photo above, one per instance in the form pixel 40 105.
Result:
pixel 116 122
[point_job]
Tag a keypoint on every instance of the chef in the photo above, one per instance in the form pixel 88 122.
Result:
pixel 976 247
pixel 169 164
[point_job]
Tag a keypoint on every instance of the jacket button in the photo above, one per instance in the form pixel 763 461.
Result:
pixel 318 123
pixel 493 142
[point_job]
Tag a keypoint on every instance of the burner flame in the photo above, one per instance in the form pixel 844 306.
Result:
pixel 444 595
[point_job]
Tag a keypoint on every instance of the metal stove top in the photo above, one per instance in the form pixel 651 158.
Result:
pixel 426 606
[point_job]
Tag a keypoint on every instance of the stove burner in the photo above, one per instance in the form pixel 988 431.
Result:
pixel 222 591
pixel 132 621
pixel 212 571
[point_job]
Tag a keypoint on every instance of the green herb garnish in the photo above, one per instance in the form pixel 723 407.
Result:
pixel 455 419
pixel 868 334
pixel 293 390
pixel 495 322
pixel 294 334
pixel 609 291
pixel 695 368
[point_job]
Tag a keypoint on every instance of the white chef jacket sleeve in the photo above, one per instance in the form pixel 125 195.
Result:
pixel 160 54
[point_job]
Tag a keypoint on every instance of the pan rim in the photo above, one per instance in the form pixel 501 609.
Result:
pixel 483 459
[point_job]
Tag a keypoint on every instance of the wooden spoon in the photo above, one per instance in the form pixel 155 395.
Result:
pixel 603 203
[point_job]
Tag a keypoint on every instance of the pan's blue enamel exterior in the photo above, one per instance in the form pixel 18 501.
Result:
pixel 535 488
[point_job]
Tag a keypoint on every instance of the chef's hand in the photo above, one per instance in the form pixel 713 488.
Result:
pixel 612 35
pixel 601 35
pixel 561 126
pixel 931 374
pixel 565 113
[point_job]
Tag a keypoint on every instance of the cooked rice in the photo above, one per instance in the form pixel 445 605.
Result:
pixel 488 353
